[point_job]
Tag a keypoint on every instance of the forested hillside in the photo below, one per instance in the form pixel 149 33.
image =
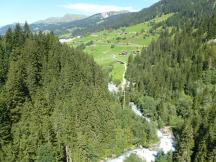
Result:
pixel 54 104
pixel 174 81
pixel 184 10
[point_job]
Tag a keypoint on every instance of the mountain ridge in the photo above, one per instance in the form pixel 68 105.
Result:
pixel 57 24
pixel 65 18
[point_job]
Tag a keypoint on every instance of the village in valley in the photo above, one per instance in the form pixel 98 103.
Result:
pixel 111 48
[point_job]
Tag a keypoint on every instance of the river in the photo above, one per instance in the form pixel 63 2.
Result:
pixel 166 143
pixel 165 135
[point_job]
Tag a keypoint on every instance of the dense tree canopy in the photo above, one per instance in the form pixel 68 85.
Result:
pixel 54 104
pixel 173 81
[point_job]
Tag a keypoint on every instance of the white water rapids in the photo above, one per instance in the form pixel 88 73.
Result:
pixel 166 143
pixel 113 88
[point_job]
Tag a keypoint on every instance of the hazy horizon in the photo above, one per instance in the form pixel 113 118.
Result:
pixel 31 11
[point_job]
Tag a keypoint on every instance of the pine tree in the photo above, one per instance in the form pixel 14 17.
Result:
pixel 26 29
pixel 18 38
pixel 184 148
pixel 5 125
pixel 3 71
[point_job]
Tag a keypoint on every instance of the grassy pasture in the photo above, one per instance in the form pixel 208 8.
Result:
pixel 107 46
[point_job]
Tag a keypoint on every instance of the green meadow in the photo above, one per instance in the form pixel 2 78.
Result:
pixel 110 48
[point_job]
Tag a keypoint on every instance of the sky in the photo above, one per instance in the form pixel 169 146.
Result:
pixel 14 11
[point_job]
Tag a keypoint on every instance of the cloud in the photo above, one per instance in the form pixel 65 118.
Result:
pixel 95 8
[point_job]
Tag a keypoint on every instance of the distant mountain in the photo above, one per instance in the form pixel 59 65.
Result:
pixel 55 23
pixel 59 24
pixel 3 29
pixel 105 15
pixel 97 22
pixel 66 18
pixel 184 9
pixel 94 20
